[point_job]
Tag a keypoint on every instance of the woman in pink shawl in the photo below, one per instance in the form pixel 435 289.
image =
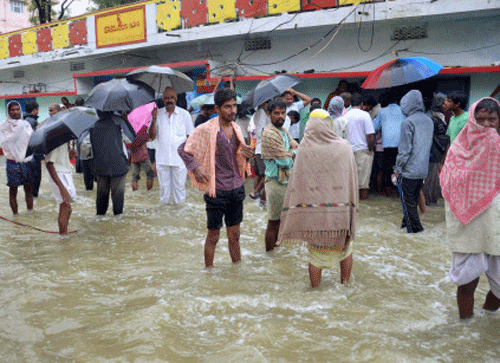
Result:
pixel 470 180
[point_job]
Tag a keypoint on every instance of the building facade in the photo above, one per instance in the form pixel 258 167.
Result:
pixel 14 15
pixel 321 41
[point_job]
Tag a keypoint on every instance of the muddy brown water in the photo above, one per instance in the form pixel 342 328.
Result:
pixel 133 288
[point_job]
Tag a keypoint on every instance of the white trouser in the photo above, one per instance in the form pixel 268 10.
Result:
pixel 172 180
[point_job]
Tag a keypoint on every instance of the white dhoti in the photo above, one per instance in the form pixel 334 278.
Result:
pixel 172 180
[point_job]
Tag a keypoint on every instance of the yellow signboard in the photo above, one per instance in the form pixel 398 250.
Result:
pixel 121 27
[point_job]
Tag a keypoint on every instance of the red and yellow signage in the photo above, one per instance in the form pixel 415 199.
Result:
pixel 121 27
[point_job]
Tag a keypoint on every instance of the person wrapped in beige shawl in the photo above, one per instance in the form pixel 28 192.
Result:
pixel 321 201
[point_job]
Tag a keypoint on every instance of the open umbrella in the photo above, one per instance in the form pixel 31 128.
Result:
pixel 141 116
pixel 59 129
pixel 120 95
pixel 401 71
pixel 160 77
pixel 268 89
pixel 207 99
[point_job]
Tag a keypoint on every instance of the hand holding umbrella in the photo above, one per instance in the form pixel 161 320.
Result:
pixel 60 128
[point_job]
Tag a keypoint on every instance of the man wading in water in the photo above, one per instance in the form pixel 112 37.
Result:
pixel 216 156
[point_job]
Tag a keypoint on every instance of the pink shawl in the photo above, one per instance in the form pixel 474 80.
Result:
pixel 470 178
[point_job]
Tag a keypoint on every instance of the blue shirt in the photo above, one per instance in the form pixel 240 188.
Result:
pixel 389 119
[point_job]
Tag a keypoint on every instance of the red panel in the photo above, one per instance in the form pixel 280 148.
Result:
pixel 15 45
pixel 252 8
pixel 194 12
pixel 44 39
pixel 317 4
pixel 78 32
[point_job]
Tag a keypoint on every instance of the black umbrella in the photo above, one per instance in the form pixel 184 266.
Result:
pixel 120 95
pixel 59 129
pixel 268 89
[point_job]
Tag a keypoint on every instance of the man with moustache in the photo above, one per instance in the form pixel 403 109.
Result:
pixel 14 137
pixel 170 127
pixel 216 157
pixel 278 153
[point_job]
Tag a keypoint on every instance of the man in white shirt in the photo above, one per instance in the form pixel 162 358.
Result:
pixel 287 97
pixel 61 181
pixel 170 127
pixel 362 140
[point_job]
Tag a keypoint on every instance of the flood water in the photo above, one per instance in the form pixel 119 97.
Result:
pixel 133 288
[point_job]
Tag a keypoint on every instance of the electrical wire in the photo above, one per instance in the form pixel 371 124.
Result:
pixel 447 53
pixel 387 51
pixel 307 48
pixel 372 32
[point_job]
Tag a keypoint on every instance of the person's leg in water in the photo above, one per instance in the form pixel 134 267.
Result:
pixel 233 240
pixel 210 243
pixel 465 299
pixel 421 202
pixel 63 218
pixel 13 199
pixel 492 303
pixel 345 269
pixel 272 230
pixel 314 275
pixel 28 196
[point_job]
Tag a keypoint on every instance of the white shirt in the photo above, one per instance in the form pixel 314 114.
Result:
pixel 172 131
pixel 60 157
pixel 256 125
pixel 294 129
pixel 360 124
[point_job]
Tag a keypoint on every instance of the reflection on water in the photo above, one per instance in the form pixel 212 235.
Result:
pixel 133 288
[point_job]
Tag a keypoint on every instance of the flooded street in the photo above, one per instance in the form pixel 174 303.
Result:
pixel 133 288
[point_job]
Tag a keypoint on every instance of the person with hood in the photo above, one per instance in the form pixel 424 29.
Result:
pixel 440 142
pixel 321 201
pixel 412 162
pixel 470 180
pixel 31 115
pixel 109 161
pixel 340 124
pixel 15 134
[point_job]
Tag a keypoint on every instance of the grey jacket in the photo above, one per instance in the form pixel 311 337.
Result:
pixel 416 138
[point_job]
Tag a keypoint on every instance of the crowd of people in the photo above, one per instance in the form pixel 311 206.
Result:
pixel 309 172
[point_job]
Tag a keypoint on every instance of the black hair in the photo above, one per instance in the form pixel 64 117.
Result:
pixel 459 98
pixel 286 93
pixel 79 101
pixel 356 100
pixel 369 99
pixel 12 103
pixel 488 105
pixel 65 98
pixel 276 103
pixel 207 107
pixel 316 99
pixel 294 114
pixel 224 95
pixel 315 107
pixel 31 105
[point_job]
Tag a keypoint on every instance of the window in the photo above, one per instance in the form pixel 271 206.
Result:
pixel 16 6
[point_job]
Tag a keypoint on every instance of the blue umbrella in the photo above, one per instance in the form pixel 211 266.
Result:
pixel 401 71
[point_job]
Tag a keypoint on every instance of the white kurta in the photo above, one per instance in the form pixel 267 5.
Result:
pixel 172 131
pixel 481 235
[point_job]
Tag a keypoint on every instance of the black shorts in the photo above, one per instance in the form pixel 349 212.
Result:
pixel 227 204
pixel 20 173
pixel 152 155
pixel 260 169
